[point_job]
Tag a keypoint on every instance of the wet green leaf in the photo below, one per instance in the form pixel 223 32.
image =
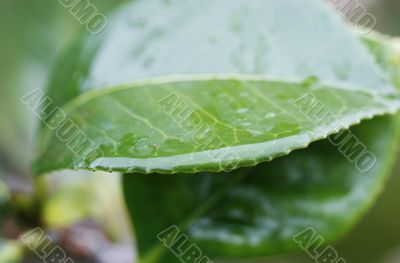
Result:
pixel 232 101
pixel 241 74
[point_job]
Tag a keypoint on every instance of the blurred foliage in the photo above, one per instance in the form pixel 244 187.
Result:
pixel 10 252
pixel 33 33
pixel 387 15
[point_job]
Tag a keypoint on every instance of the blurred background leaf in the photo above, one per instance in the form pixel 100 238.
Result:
pixel 10 252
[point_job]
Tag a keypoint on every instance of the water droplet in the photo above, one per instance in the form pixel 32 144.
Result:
pixel 269 115
pixel 212 40
pixel 148 62
pixel 308 82
pixel 143 147
pixel 137 23
pixel 242 110
pixel 341 70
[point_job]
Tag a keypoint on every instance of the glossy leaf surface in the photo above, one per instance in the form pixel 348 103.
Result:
pixel 242 117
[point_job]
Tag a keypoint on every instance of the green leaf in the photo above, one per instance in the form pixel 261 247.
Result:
pixel 242 104
pixel 181 127
pixel 239 68
pixel 256 211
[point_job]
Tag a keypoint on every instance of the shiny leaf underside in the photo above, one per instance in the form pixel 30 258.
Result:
pixel 210 124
